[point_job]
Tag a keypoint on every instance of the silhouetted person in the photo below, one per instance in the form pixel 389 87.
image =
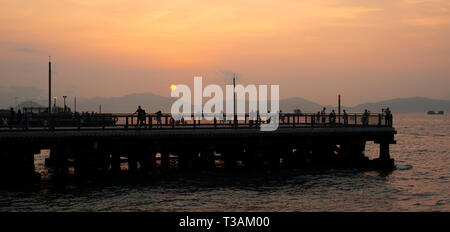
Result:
pixel 332 118
pixel 388 117
pixel 318 117
pixel 5 122
pixel 281 116
pixel 12 116
pixel 140 114
pixel 172 122
pixel 27 118
pixel 88 117
pixel 252 117
pixel 365 117
pixel 258 119
pixel 158 119
pixel 323 115
pixel 345 118
pixel 19 117
pixel 143 117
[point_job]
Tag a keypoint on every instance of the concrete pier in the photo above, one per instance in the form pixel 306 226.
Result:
pixel 91 151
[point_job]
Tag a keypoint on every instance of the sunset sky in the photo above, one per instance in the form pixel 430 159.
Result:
pixel 365 50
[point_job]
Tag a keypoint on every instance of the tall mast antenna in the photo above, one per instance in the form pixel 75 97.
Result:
pixel 234 100
pixel 49 85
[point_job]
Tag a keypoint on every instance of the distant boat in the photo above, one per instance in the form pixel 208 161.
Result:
pixel 432 112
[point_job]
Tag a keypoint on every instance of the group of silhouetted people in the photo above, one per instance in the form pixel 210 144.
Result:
pixel 254 118
pixel 142 117
pixel 321 117
pixel 85 117
pixel 19 119
pixel 385 113
pixel 15 119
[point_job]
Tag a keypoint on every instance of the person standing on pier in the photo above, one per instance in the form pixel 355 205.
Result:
pixel 365 117
pixel 345 118
pixel 258 119
pixel 268 118
pixel 181 121
pixel 281 116
pixel 28 118
pixel 140 118
pixel 143 118
pixel 387 117
pixel 323 115
pixel 5 121
pixel 332 118
pixel 158 119
pixel 12 116
pixel 252 117
pixel 19 118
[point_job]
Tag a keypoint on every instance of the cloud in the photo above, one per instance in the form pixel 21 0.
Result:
pixel 428 21
pixel 346 12
pixel 28 50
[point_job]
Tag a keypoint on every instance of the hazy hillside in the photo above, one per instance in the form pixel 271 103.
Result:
pixel 290 104
pixel 128 103
pixel 26 96
pixel 12 95
pixel 405 105
pixel 152 103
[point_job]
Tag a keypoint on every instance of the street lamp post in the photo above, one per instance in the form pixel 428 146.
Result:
pixel 15 103
pixel 234 101
pixel 49 85
pixel 339 107
pixel 54 103
pixel 65 107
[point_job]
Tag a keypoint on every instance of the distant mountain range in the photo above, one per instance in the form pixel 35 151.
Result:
pixel 152 103
pixel 405 105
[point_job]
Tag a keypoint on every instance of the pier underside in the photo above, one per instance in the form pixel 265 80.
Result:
pixel 148 151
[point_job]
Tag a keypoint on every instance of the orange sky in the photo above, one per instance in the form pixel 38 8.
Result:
pixel 366 50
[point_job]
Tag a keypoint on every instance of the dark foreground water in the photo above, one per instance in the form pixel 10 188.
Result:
pixel 420 183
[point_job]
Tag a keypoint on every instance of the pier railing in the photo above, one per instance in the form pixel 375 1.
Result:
pixel 110 121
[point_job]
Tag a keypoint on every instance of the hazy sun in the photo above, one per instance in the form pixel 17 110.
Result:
pixel 173 87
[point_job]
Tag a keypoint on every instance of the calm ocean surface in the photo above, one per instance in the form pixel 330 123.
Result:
pixel 420 183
